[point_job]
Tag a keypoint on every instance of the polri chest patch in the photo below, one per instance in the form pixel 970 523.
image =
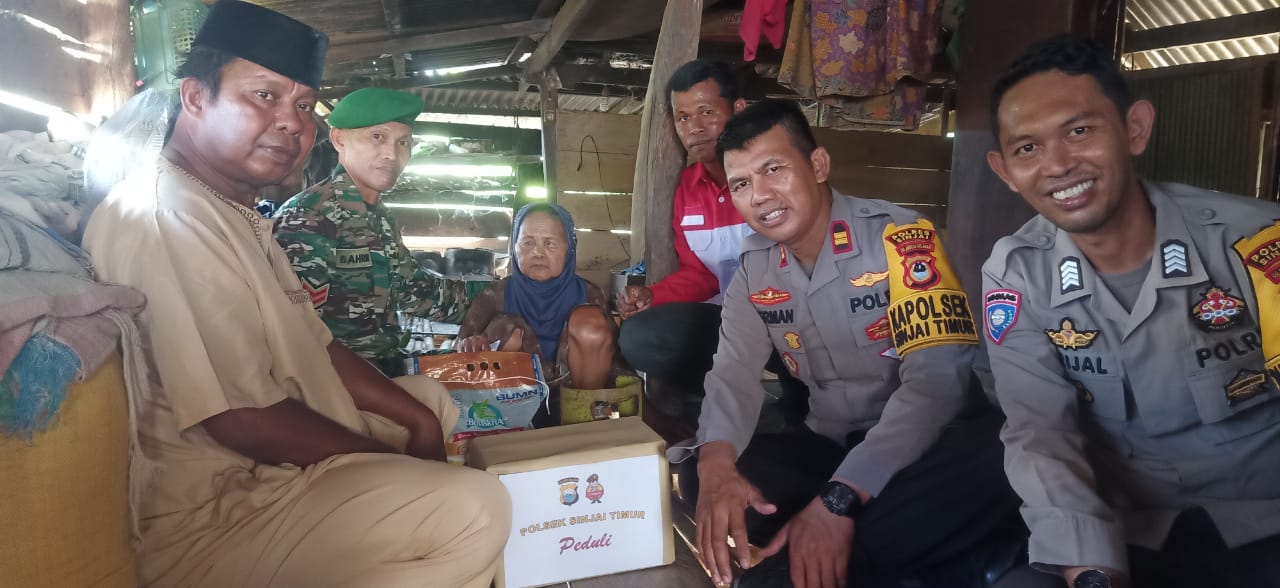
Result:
pixel 1218 310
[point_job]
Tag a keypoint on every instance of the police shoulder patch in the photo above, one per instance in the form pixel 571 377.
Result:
pixel 1261 253
pixel 1000 311
pixel 927 306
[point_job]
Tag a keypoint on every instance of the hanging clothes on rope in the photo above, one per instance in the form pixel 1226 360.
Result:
pixel 868 58
pixel 762 16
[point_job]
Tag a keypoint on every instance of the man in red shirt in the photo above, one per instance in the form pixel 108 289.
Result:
pixel 672 328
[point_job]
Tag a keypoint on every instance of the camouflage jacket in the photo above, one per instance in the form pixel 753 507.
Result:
pixel 352 261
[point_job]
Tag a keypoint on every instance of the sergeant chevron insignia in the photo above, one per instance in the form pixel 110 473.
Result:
pixel 1069 275
pixel 1174 255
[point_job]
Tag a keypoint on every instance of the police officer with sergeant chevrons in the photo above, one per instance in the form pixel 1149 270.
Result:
pixel 343 242
pixel 887 478
pixel 1134 334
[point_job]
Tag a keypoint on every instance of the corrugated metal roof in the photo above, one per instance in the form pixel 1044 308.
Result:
pixel 1142 15
pixel 508 101
pixel 464 55
pixel 1151 14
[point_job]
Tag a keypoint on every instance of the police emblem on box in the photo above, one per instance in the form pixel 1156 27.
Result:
pixel 1218 309
pixel 1001 310
pixel 568 491
pixel 1068 337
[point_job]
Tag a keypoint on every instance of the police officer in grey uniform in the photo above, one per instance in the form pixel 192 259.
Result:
pixel 857 297
pixel 1127 343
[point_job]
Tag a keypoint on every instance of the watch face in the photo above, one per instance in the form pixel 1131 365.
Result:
pixel 838 498
pixel 1092 579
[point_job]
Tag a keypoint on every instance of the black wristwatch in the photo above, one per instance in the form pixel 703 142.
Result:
pixel 841 500
pixel 1092 579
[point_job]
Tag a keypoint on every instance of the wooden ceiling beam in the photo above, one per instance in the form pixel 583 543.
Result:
pixel 1259 22
pixel 545 9
pixel 573 74
pixel 391 9
pixel 566 20
pixel 427 41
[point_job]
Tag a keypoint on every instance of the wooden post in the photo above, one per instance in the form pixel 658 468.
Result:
pixel 549 93
pixel 981 209
pixel 661 156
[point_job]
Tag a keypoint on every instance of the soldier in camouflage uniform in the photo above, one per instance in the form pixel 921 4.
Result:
pixel 345 246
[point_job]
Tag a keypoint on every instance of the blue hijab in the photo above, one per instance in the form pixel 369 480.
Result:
pixel 545 305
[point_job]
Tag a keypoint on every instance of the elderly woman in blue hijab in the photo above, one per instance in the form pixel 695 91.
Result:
pixel 544 307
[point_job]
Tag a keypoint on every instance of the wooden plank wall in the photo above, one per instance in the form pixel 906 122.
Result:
pixel 913 171
pixel 35 64
pixel 596 152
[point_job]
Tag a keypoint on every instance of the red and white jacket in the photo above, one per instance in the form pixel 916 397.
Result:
pixel 709 233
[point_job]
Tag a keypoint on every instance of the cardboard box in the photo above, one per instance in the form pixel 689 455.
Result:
pixel 587 500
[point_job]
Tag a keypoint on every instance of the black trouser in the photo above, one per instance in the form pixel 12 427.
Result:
pixel 1194 556
pixel 933 511
pixel 675 343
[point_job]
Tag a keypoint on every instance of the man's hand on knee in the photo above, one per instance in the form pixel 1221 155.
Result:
pixel 633 299
pixel 723 498
pixel 820 544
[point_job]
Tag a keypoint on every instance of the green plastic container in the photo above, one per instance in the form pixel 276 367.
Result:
pixel 163 31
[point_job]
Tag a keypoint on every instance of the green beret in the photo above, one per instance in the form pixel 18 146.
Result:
pixel 373 106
